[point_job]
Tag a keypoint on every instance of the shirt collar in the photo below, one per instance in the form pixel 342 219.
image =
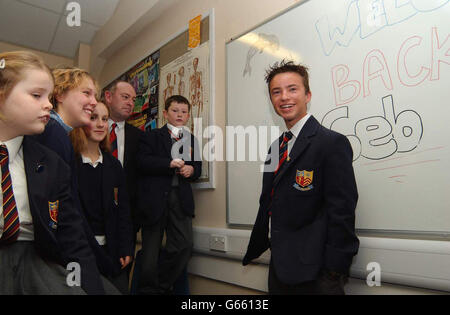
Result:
pixel 13 146
pixel 175 130
pixel 87 160
pixel 58 118
pixel 120 124
pixel 299 125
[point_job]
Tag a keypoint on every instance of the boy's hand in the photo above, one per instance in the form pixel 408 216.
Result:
pixel 124 261
pixel 176 163
pixel 186 171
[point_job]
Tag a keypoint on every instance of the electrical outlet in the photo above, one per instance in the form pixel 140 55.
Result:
pixel 218 242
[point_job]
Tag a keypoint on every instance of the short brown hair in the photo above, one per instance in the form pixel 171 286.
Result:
pixel 15 64
pixel 287 66
pixel 67 79
pixel 177 99
pixel 112 88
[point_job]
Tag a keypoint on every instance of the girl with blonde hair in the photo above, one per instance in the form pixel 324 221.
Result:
pixel 41 230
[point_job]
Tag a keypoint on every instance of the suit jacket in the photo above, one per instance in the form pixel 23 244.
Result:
pixel 132 136
pixel 56 138
pixel 58 236
pixel 312 223
pixel 118 226
pixel 154 159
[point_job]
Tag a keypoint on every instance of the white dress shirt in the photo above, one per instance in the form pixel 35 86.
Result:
pixel 296 131
pixel 175 130
pixel 94 164
pixel 120 133
pixel 20 189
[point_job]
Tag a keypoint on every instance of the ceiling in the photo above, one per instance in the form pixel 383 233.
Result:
pixel 42 24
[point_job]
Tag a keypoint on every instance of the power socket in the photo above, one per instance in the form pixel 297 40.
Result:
pixel 218 243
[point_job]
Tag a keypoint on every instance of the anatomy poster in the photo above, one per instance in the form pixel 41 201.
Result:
pixel 188 75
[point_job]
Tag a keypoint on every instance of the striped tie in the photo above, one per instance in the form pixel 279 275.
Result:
pixel 283 150
pixel 176 138
pixel 11 222
pixel 113 141
pixel 283 156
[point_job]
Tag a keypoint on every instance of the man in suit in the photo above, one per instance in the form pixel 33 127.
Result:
pixel 120 98
pixel 307 205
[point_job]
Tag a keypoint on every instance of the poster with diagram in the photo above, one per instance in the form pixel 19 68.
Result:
pixel 188 75
pixel 144 77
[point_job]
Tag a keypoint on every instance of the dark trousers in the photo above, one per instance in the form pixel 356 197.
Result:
pixel 161 267
pixel 323 285
pixel 121 280
pixel 23 271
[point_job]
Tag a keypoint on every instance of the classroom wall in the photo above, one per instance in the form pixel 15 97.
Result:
pixel 50 60
pixel 231 18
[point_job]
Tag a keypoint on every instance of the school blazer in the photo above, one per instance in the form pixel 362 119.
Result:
pixel 156 180
pixel 118 226
pixel 58 227
pixel 312 223
pixel 56 138
pixel 132 136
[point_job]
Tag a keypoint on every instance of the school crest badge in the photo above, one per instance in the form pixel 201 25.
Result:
pixel 53 210
pixel 303 180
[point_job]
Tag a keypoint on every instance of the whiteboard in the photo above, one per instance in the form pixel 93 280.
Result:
pixel 379 74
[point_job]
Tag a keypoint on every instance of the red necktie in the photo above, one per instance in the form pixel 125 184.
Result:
pixel 11 222
pixel 283 156
pixel 283 150
pixel 113 141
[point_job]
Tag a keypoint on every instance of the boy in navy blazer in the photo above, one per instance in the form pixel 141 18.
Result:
pixel 307 206
pixel 166 160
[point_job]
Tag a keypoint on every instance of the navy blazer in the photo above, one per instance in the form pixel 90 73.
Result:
pixel 118 226
pixel 132 140
pixel 312 223
pixel 153 160
pixel 61 239
pixel 56 138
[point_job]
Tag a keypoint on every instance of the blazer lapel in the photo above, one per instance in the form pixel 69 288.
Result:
pixel 125 151
pixel 167 140
pixel 106 180
pixel 300 145
pixel 36 173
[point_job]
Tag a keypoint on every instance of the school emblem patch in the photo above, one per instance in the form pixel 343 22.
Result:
pixel 303 180
pixel 53 210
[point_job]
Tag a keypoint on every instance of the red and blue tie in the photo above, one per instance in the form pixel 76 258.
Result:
pixel 113 140
pixel 283 150
pixel 11 222
pixel 283 156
